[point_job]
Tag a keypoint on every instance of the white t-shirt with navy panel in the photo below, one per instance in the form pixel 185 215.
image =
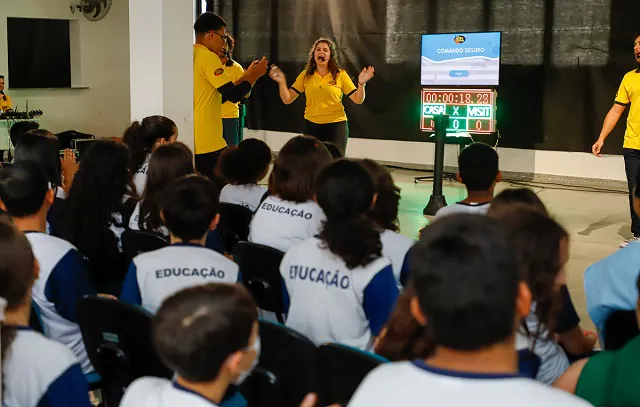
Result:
pixel 140 177
pixel 249 195
pixel 135 225
pixel 327 302
pixel 282 224
pixel 155 276
pixel 40 372
pixel 156 392
pixel 464 208
pixel 410 384
pixel 396 248
pixel 62 282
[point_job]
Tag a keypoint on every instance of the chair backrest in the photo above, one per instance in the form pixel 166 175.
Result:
pixel 135 242
pixel 117 337
pixel 341 369
pixel 234 224
pixel 260 269
pixel 287 370
pixel 620 328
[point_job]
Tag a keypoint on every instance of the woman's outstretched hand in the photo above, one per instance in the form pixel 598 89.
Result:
pixel 366 75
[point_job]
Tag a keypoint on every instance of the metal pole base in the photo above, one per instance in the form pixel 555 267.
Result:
pixel 436 202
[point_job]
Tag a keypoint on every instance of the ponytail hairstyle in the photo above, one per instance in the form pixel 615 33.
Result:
pixel 296 167
pixel 334 65
pixel 141 138
pixel 538 243
pixel 168 163
pixel 247 163
pixel 345 192
pixel 385 210
pixel 18 271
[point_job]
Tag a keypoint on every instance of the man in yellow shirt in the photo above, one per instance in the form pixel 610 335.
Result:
pixel 628 96
pixel 230 110
pixel 210 85
pixel 5 100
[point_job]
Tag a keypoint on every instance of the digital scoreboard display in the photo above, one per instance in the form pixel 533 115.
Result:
pixel 469 110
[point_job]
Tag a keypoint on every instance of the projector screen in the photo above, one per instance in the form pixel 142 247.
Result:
pixel 467 59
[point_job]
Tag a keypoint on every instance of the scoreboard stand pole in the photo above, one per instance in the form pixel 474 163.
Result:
pixel 437 200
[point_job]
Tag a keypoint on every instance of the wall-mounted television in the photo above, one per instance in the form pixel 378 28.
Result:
pixel 39 53
pixel 461 59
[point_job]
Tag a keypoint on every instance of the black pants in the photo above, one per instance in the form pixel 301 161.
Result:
pixel 335 133
pixel 631 167
pixel 231 131
pixel 206 164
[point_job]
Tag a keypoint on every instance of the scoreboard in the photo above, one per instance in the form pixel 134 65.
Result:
pixel 469 110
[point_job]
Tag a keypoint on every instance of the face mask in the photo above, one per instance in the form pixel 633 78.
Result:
pixel 243 376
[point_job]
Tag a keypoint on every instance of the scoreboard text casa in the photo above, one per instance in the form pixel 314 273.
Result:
pixel 469 110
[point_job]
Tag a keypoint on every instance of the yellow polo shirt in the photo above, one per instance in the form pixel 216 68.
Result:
pixel 208 76
pixel 629 95
pixel 232 110
pixel 324 96
pixel 4 104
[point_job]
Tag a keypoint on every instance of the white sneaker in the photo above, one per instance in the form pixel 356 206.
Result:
pixel 626 242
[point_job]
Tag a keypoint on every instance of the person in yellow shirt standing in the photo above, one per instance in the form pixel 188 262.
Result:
pixel 210 85
pixel 628 96
pixel 230 110
pixel 324 82
pixel 5 100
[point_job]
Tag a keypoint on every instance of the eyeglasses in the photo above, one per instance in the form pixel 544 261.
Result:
pixel 223 36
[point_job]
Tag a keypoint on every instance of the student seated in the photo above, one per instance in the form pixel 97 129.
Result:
pixel 189 211
pixel 208 335
pixel 242 167
pixel 167 164
pixel 577 342
pixel 143 138
pixel 470 296
pixel 25 195
pixel 96 212
pixel 338 287
pixel 289 215
pixel 607 378
pixel 36 371
pixel 18 129
pixel 385 213
pixel 541 247
pixel 478 171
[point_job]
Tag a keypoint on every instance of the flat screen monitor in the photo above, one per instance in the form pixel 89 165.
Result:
pixel 465 59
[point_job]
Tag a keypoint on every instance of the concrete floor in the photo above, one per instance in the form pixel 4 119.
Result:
pixel 596 221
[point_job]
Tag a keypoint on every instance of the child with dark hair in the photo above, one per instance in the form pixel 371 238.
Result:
pixel 25 195
pixel 385 213
pixel 190 211
pixel 167 164
pixel 289 214
pixel 18 129
pixel 208 335
pixel 471 297
pixel 478 171
pixel 333 150
pixel 143 138
pixel 35 370
pixel 338 287
pixel 517 196
pixel 541 247
pixel 242 168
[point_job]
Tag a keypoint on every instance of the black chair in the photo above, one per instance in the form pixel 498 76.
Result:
pixel 117 337
pixel 260 269
pixel 342 369
pixel 620 328
pixel 135 242
pixel 287 370
pixel 234 224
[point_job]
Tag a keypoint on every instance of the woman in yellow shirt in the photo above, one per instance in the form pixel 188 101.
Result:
pixel 324 82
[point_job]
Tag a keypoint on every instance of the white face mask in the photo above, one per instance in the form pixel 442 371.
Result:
pixel 243 376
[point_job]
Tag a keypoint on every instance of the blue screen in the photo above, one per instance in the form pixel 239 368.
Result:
pixel 468 59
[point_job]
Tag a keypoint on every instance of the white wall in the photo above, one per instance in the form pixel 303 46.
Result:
pixel 103 57
pixel 560 164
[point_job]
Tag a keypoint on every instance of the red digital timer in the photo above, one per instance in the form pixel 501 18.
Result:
pixel 469 110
